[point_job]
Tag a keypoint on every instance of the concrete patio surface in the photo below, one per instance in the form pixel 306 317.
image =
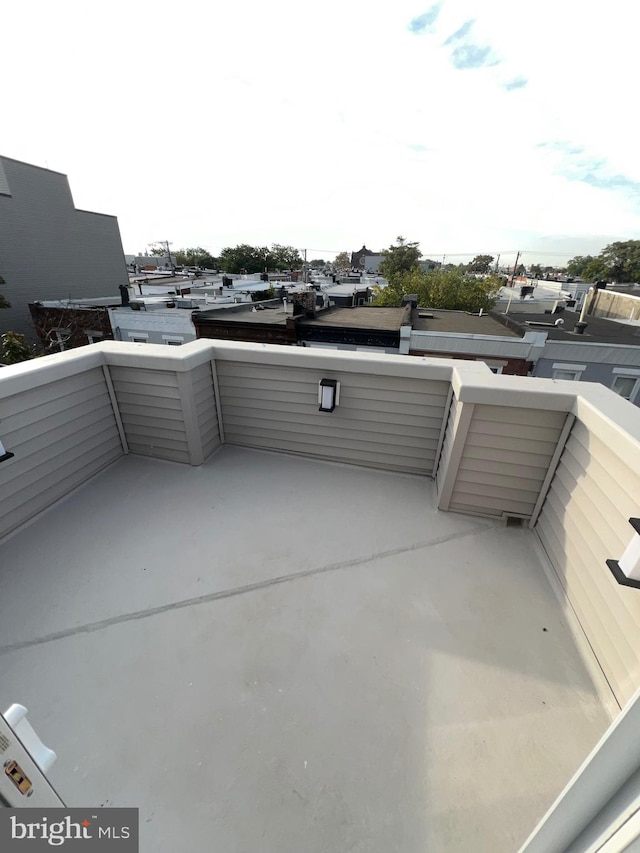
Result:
pixel 270 654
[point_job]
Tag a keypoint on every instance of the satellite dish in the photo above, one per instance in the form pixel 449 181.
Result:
pixel 559 322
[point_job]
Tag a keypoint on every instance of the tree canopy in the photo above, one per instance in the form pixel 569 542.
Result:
pixel 399 259
pixel 251 259
pixel 619 262
pixel 342 261
pixel 14 348
pixel 481 264
pixel 196 257
pixel 442 288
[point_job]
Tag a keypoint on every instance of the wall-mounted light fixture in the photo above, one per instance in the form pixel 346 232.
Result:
pixel 328 394
pixel 627 570
pixel 4 454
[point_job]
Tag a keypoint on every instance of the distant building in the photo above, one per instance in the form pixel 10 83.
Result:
pixel 599 350
pixel 358 258
pixel 459 334
pixel 66 324
pixel 48 248
pixel 363 329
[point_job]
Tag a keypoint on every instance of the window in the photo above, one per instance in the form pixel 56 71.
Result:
pixel 173 340
pixel 626 383
pixel 62 337
pixel 138 337
pixel 568 371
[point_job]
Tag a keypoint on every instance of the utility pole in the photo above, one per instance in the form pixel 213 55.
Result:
pixel 515 267
pixel 305 270
pixel 497 263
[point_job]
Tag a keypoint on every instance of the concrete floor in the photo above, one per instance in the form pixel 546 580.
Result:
pixel 270 654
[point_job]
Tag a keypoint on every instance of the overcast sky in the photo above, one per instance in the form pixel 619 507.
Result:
pixel 470 127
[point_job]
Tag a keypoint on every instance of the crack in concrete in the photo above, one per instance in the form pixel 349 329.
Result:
pixel 92 627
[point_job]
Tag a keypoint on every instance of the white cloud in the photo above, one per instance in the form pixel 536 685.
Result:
pixel 329 126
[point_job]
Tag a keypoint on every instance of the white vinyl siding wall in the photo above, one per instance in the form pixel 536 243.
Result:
pixel 584 522
pixel 447 444
pixel 61 433
pixel 506 457
pixel 152 412
pixel 382 421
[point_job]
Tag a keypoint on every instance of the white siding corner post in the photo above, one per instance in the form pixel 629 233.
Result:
pixel 443 429
pixel 460 427
pixel 114 406
pixel 190 415
pixel 216 394
pixel 553 464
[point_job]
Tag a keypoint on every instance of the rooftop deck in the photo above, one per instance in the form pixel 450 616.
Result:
pixel 286 654
pixel 290 629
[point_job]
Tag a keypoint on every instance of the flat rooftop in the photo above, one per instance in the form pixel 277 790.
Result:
pixel 599 329
pixel 460 322
pixel 271 653
pixel 359 318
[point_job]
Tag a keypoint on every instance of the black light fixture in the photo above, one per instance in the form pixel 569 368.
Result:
pixel 328 394
pixel 4 454
pixel 627 570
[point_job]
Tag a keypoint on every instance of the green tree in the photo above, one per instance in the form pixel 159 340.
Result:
pixel 342 261
pixel 252 259
pixel 442 288
pixel 481 263
pixel 535 271
pixel 195 257
pixel 317 264
pixel 399 259
pixel 158 250
pixel 15 348
pixel 622 260
pixel 578 266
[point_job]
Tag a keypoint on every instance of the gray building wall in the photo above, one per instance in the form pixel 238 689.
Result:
pixel 48 248
pixel 599 360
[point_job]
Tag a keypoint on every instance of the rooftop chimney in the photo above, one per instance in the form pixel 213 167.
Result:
pixel 124 294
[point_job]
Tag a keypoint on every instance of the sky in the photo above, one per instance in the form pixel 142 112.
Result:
pixel 470 127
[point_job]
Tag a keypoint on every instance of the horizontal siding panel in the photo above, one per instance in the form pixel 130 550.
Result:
pixel 482 464
pixel 160 452
pixel 599 592
pixel 301 422
pixel 539 461
pixel 385 413
pixel 495 490
pixel 97 408
pixel 94 434
pixel 144 403
pixel 538 448
pixel 489 505
pixel 143 377
pixel 169 392
pixel 331 437
pixel 63 485
pixel 43 394
pixel 588 612
pixel 28 417
pixel 242 370
pixel 155 431
pixel 380 421
pixel 233 431
pixel 509 481
pixel 83 456
pixel 348 397
pixel 21 471
pixel 151 442
pixel 584 521
pixel 524 417
pixel 352 457
pixel 523 433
